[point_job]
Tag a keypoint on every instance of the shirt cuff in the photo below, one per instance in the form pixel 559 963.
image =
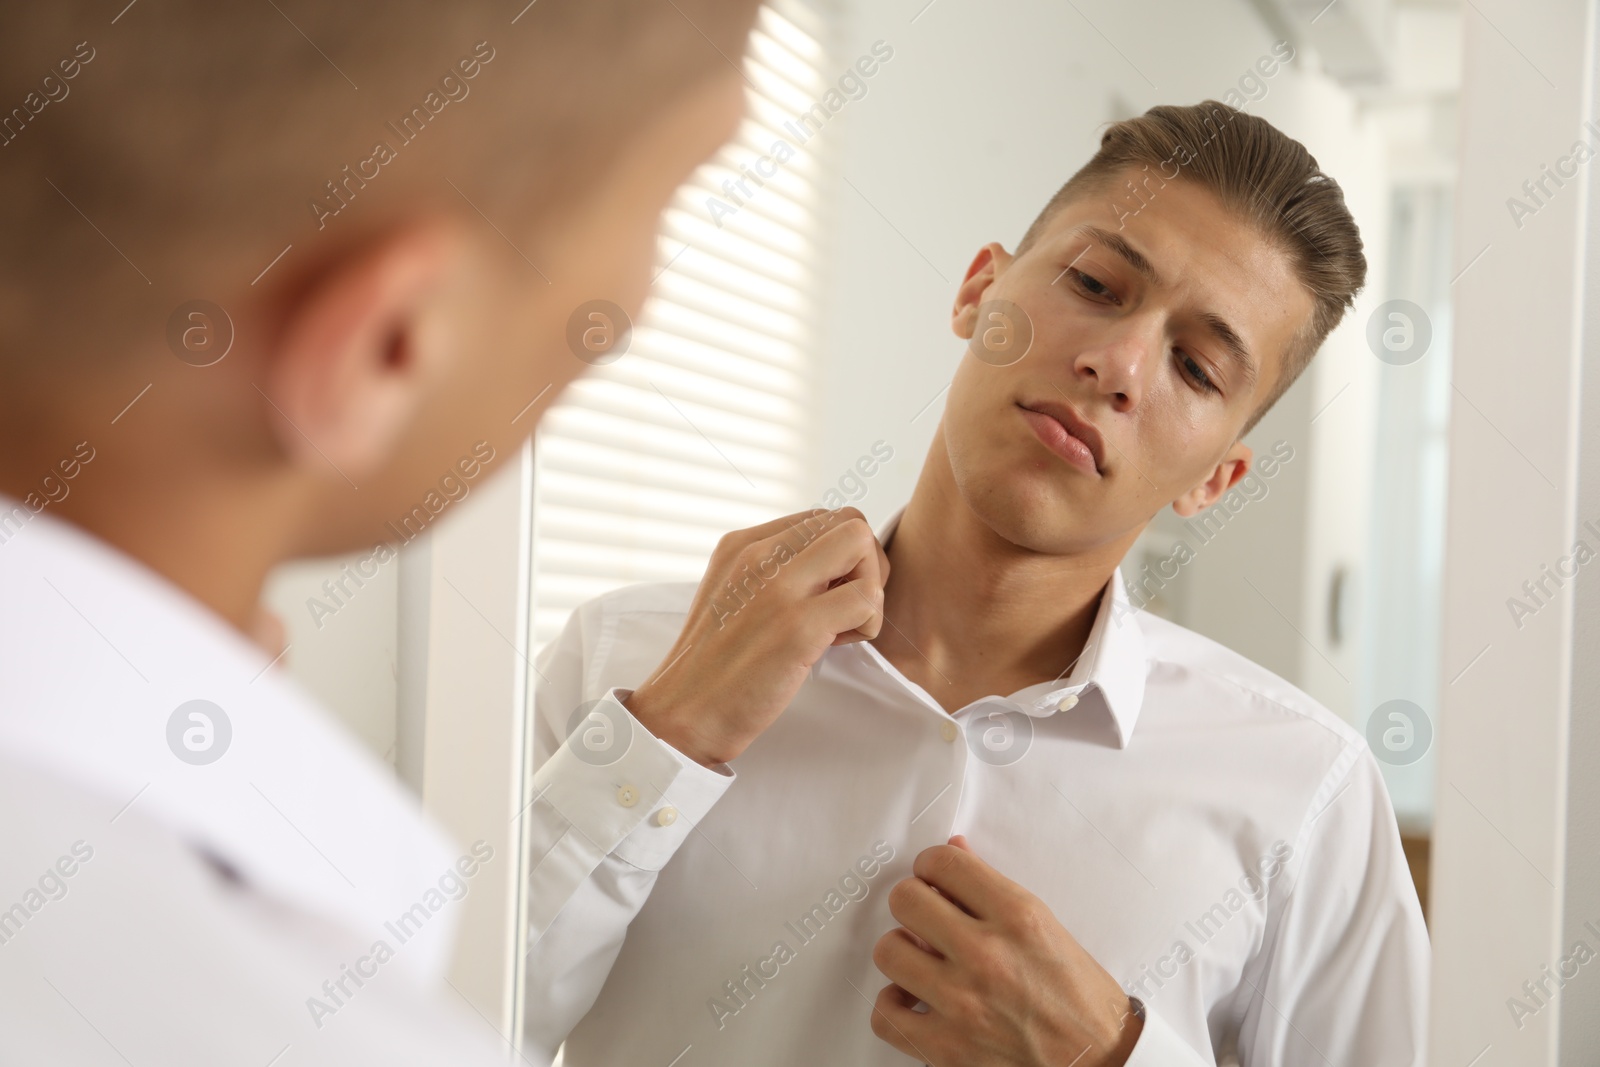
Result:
pixel 624 790
pixel 1160 1045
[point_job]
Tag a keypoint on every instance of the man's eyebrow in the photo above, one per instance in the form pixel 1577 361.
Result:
pixel 1121 247
pixel 1238 352
pixel 1234 345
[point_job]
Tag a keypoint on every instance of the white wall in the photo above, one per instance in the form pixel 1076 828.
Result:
pixel 1580 1009
pixel 1515 744
pixel 348 660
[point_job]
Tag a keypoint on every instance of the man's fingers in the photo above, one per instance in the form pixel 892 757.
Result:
pixel 853 611
pixel 846 550
pixel 895 1021
pixel 907 965
pixel 823 553
pixel 968 881
pixel 875 626
pixel 923 911
pixel 883 560
pixel 815 521
pixel 804 529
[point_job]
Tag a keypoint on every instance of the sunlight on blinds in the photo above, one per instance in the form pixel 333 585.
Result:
pixel 700 427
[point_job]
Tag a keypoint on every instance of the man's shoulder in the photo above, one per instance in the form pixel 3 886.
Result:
pixel 1254 689
pixel 622 631
pixel 186 962
pixel 1226 711
pixel 643 598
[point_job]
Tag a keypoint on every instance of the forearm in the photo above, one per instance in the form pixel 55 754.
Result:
pixel 602 822
pixel 568 964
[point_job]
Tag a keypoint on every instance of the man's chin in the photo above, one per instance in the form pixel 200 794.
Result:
pixel 1029 513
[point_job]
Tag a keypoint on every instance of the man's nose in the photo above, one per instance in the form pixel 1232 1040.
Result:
pixel 1118 363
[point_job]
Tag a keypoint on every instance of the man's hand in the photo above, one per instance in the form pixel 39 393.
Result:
pixel 1003 980
pixel 774 598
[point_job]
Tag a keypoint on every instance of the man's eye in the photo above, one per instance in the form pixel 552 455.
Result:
pixel 1088 283
pixel 1197 372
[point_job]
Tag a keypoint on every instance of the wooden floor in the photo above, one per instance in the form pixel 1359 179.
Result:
pixel 1417 857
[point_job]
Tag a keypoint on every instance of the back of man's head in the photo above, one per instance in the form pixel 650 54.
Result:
pixel 187 142
pixel 284 264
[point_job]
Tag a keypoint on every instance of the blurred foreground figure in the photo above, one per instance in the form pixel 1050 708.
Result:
pixel 270 274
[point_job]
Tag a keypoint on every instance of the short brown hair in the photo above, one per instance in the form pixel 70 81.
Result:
pixel 1256 170
pixel 190 141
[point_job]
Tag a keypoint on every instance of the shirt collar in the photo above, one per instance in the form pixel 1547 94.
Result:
pixel 1109 674
pixel 98 653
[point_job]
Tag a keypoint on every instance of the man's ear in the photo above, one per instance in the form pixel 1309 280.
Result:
pixel 354 361
pixel 987 266
pixel 1229 469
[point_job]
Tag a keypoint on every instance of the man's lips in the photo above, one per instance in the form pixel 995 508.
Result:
pixel 1067 434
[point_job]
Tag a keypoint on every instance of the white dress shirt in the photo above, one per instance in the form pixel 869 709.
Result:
pixel 178 889
pixel 1221 843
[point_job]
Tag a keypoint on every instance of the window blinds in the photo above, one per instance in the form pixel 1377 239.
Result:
pixel 700 428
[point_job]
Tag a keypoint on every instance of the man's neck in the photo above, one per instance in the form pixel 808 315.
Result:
pixel 217 545
pixel 969 614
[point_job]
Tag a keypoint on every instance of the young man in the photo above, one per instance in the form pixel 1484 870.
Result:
pixel 270 273
pixel 1163 853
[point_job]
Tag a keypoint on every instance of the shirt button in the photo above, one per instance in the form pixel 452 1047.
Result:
pixel 948 731
pixel 1068 702
pixel 666 816
pixel 627 796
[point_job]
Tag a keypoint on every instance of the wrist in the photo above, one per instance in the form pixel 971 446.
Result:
pixel 1127 1036
pixel 674 730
